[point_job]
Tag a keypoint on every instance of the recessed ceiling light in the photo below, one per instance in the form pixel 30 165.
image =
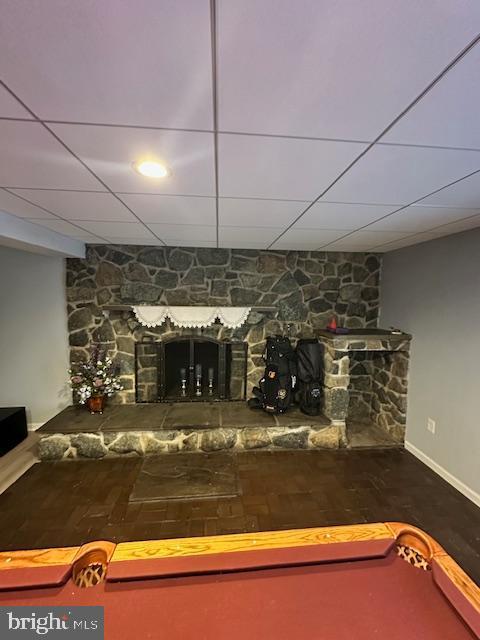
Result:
pixel 151 169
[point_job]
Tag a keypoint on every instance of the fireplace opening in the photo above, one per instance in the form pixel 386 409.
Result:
pixel 377 393
pixel 189 369
pixel 192 370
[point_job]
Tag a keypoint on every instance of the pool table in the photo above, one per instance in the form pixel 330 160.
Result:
pixel 385 580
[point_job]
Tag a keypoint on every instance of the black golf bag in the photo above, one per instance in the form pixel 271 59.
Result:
pixel 275 391
pixel 309 388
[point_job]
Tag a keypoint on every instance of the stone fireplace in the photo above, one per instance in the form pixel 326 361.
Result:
pixel 291 293
pixel 302 289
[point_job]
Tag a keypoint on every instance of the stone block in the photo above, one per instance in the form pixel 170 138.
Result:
pixel 179 260
pixel 292 308
pixel 350 292
pixel 108 274
pixel 80 319
pixel 207 257
pixel 336 403
pixel 218 439
pixel 137 273
pixel 291 440
pixel 127 443
pixel 271 263
pixel 89 445
pixel 255 438
pixel 330 380
pixel 154 256
pixel 166 279
pixel 241 297
pixel 190 442
pixel 53 447
pixel 326 438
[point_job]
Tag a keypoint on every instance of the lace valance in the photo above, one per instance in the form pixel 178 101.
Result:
pixel 191 317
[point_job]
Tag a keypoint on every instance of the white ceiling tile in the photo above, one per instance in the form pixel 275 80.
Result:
pixel 415 219
pixel 87 237
pixel 63 227
pixel 31 157
pixel 456 227
pixel 236 243
pixel 402 174
pixel 194 243
pixel 238 212
pixel 332 69
pixel 143 62
pixel 172 209
pixel 282 168
pixel 184 232
pixel 465 193
pixel 307 239
pixel 110 152
pixel 340 215
pixel 247 237
pixel 363 240
pixel 10 107
pixel 116 229
pixel 409 241
pixel 17 207
pixel 150 241
pixel 448 114
pixel 79 205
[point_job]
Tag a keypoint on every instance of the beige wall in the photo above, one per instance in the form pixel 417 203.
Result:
pixel 432 290
pixel 33 334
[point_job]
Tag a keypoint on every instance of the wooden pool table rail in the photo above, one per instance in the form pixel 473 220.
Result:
pixel 232 543
pixel 185 547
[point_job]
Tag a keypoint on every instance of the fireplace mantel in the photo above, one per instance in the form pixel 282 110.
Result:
pixel 128 307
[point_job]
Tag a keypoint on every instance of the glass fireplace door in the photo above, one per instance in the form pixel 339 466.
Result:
pixel 192 369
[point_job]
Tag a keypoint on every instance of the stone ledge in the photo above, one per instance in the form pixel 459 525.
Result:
pixel 60 446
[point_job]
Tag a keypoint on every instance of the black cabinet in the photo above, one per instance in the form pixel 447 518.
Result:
pixel 13 428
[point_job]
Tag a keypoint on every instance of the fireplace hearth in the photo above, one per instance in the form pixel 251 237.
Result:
pixel 190 368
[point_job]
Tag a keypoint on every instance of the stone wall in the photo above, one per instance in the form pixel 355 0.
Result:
pixel 305 288
pixel 361 387
pixel 378 389
pixel 371 372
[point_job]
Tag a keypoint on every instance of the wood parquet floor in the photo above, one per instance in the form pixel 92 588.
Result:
pixel 72 502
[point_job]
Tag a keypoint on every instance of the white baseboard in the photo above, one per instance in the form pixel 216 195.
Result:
pixel 34 426
pixel 443 473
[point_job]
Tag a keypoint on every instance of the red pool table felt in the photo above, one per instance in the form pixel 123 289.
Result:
pixel 344 590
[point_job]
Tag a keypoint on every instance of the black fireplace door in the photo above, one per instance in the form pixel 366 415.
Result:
pixel 192 369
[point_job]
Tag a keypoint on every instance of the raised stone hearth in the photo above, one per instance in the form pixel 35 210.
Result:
pixel 145 429
pixel 161 428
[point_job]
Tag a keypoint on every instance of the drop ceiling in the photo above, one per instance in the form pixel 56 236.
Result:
pixel 287 125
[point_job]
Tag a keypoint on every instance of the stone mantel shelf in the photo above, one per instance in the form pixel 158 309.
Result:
pixel 365 340
pixel 368 334
pixel 128 307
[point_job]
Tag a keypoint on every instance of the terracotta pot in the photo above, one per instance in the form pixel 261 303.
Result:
pixel 96 404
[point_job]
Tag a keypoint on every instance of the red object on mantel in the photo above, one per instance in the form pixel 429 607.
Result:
pixel 332 325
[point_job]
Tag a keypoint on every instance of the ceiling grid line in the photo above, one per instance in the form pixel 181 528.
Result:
pixel 410 106
pixel 213 35
pixel 283 102
pixel 67 148
pixel 405 206
pixel 433 230
pixel 54 214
